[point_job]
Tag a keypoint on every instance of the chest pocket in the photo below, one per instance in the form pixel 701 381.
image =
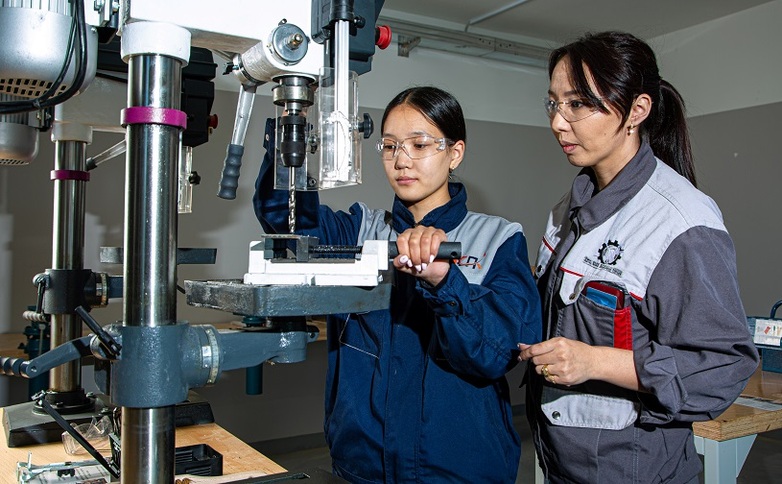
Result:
pixel 597 312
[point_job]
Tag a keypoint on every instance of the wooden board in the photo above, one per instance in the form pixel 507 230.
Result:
pixel 740 420
pixel 239 459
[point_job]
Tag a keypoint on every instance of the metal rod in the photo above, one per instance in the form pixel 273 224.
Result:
pixel 106 155
pixel 148 434
pixel 343 159
pixel 493 13
pixel 67 253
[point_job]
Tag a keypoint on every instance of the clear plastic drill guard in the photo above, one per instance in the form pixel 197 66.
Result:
pixel 333 145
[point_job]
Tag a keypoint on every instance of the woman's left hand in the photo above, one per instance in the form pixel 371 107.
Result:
pixel 418 248
pixel 568 362
pixel 560 360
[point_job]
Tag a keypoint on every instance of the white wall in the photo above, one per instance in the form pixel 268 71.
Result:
pixel 488 90
pixel 729 63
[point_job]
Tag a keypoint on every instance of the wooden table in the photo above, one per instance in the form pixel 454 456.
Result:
pixel 240 461
pixel 726 441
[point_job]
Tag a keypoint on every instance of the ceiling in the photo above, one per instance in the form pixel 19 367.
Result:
pixel 545 23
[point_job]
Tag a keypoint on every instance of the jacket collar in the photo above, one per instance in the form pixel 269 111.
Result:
pixel 593 207
pixel 446 217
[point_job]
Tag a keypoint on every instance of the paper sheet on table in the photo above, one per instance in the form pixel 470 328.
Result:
pixel 768 332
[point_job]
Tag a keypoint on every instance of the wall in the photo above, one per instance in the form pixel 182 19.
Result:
pixel 738 164
pixel 726 64
pixel 513 168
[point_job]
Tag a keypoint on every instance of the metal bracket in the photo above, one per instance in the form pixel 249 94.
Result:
pixel 406 45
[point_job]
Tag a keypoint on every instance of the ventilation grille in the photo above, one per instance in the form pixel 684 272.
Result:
pixel 55 6
pixel 7 162
pixel 27 88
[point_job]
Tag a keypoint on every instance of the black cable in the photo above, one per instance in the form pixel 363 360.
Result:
pixel 81 69
pixel 774 309
pixel 46 100
pixel 48 408
pixel 66 65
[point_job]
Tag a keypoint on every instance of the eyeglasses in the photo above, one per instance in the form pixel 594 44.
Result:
pixel 572 111
pixel 415 148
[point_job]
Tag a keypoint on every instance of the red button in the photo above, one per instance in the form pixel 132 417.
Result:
pixel 383 36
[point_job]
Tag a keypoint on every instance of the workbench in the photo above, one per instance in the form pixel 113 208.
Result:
pixel 726 441
pixel 240 461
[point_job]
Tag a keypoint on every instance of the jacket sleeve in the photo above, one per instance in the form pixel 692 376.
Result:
pixel 700 354
pixel 271 206
pixel 479 326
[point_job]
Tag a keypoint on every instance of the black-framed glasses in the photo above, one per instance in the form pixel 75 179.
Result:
pixel 415 147
pixel 572 111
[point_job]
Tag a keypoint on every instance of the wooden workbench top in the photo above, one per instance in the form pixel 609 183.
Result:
pixel 240 461
pixel 759 409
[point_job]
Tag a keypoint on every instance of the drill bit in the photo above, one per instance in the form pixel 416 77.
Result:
pixel 292 200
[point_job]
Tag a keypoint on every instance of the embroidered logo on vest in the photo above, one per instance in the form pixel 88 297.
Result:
pixel 470 261
pixel 610 252
pixel 608 255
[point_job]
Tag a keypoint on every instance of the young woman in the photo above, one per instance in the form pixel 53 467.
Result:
pixel 643 325
pixel 417 392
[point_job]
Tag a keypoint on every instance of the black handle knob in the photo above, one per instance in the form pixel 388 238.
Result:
pixel 447 250
pixel 229 181
pixel 367 126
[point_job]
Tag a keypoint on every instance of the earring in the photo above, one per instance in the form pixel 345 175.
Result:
pixel 630 129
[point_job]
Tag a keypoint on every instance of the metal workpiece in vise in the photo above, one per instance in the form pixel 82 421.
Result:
pixel 294 275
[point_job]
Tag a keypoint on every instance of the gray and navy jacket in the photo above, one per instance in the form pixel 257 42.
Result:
pixel 417 393
pixel 645 264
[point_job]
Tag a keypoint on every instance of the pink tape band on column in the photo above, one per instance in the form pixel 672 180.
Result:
pixel 150 115
pixel 70 175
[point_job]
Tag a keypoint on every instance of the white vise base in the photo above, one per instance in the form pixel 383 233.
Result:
pixel 366 271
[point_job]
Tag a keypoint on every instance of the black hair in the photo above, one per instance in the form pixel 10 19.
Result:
pixel 623 67
pixel 436 105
